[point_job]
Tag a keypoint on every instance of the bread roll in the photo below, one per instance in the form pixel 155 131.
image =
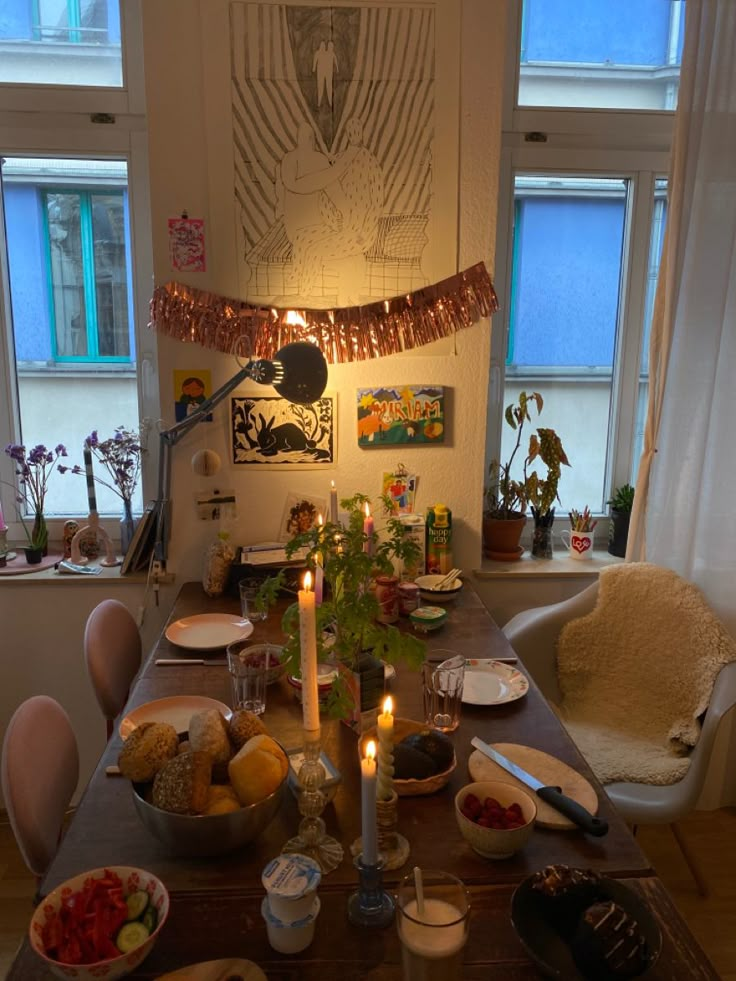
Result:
pixel 147 748
pixel 183 783
pixel 208 734
pixel 221 799
pixel 257 769
pixel 243 726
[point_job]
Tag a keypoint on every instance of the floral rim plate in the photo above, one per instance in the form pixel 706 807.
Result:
pixel 177 710
pixel 208 631
pixel 492 683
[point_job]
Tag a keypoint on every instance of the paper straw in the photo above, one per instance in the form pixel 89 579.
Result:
pixel 419 889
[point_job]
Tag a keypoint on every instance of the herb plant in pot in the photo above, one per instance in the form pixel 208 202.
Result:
pixel 348 632
pixel 621 504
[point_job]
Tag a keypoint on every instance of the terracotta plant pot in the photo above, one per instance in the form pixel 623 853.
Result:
pixel 501 537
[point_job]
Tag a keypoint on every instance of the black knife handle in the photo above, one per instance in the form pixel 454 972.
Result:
pixel 571 809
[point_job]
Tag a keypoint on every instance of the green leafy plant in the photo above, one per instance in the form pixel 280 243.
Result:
pixel 506 497
pixel 269 590
pixel 347 627
pixel 622 499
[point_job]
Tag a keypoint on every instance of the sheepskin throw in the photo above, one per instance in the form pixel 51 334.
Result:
pixel 637 672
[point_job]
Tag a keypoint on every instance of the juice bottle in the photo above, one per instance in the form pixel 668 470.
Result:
pixel 439 539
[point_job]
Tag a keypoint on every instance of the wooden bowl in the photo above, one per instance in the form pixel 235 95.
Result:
pixel 410 788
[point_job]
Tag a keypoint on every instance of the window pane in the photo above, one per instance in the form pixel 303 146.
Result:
pixel 659 222
pixel 568 240
pixel 596 53
pixel 68 253
pixel 61 42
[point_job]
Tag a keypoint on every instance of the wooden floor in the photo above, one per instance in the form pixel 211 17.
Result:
pixel 710 835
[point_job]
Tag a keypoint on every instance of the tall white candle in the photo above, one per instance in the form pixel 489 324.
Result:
pixel 2 519
pixel 385 750
pixel 308 646
pixel 368 805
pixel 333 502
pixel 319 574
pixel 368 526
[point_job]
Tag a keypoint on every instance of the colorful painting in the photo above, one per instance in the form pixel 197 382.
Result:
pixel 271 431
pixel 401 488
pixel 300 514
pixel 186 244
pixel 412 415
pixel 191 387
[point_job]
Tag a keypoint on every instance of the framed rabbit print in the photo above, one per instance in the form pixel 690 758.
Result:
pixel 269 431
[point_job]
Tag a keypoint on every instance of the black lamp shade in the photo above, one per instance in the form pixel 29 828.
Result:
pixel 305 372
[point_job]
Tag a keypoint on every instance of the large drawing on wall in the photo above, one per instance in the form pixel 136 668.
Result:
pixel 333 118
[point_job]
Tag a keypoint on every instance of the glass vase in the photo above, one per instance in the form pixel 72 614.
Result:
pixel 40 533
pixel 542 537
pixel 127 526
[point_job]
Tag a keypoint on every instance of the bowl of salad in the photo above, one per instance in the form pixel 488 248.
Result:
pixel 100 924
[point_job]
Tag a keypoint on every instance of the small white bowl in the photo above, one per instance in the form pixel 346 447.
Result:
pixel 114 967
pixel 426 584
pixel 496 842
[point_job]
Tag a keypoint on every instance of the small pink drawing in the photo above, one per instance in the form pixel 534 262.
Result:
pixel 186 244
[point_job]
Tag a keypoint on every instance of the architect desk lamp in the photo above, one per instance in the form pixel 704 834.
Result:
pixel 298 372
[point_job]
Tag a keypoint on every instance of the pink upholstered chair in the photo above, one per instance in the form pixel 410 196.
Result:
pixel 112 650
pixel 40 770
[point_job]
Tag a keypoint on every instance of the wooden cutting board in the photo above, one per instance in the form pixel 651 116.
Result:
pixel 228 969
pixel 552 772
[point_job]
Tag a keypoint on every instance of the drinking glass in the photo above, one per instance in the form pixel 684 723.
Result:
pixel 249 670
pixel 249 609
pixel 443 690
pixel 433 929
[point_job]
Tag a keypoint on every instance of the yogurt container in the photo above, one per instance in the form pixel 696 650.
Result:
pixel 291 884
pixel 426 618
pixel 290 938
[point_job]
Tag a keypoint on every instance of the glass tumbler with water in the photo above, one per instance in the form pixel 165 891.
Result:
pixel 249 670
pixel 432 921
pixel 252 607
pixel 443 689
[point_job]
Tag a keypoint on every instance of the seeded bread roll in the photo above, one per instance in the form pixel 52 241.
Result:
pixel 243 726
pixel 147 748
pixel 182 785
pixel 208 734
pixel 257 769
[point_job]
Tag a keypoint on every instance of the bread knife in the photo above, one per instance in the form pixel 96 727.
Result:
pixel 550 795
pixel 163 662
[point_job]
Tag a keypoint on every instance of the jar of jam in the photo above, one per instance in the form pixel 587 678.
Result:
pixel 408 597
pixel 388 598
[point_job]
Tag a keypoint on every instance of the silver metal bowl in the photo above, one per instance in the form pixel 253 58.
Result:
pixel 207 834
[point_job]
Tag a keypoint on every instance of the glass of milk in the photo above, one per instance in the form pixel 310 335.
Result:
pixel 433 926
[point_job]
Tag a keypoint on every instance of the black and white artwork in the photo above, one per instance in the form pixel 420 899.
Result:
pixel 333 117
pixel 271 431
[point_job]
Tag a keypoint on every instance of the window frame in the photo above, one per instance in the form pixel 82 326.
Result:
pixel 629 144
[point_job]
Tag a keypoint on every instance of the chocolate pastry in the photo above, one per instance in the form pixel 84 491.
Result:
pixel 564 893
pixel 608 943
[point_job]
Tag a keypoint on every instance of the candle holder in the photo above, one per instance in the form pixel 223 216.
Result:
pixel 370 905
pixel 4 551
pixel 392 846
pixel 312 839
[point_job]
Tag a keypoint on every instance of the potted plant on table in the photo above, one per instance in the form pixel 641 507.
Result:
pixel 621 504
pixel 507 497
pixel 34 470
pixel 349 633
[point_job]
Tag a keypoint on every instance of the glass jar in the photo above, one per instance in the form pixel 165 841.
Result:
pixel 217 561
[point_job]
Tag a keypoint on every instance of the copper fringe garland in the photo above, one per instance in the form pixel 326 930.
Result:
pixel 349 334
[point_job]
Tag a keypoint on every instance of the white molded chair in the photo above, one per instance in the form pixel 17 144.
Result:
pixel 534 634
pixel 112 651
pixel 40 770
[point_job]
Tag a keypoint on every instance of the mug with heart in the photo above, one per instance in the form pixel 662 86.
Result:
pixel 580 544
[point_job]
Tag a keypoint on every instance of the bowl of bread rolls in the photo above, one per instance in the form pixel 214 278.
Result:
pixel 207 791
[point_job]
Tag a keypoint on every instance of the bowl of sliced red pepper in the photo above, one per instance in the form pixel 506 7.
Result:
pixel 102 923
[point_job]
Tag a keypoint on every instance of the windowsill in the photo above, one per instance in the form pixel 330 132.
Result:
pixel 559 566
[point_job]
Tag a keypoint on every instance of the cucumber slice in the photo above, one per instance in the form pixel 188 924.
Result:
pixel 150 918
pixel 131 935
pixel 136 903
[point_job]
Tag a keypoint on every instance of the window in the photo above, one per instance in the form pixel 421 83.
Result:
pixel 61 42
pixel 581 220
pixel 75 269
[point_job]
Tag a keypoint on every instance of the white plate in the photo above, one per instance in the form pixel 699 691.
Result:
pixel 208 631
pixel 177 710
pixel 492 683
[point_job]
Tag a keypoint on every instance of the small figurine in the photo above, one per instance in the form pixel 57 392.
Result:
pixel 71 527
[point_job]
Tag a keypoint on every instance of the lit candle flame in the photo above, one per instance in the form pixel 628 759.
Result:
pixel 332 484
pixel 370 750
pixel 320 521
pixel 367 510
pixel 307 581
pixel 388 705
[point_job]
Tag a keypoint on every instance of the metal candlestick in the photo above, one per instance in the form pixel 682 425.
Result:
pixel 312 839
pixel 370 905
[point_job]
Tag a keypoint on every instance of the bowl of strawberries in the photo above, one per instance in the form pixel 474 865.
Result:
pixel 495 818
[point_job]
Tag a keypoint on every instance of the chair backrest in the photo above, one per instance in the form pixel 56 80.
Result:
pixel 112 651
pixel 40 770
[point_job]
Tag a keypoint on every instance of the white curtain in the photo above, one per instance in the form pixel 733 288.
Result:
pixel 685 504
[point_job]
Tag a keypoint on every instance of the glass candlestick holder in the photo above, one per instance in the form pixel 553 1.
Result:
pixel 393 848
pixel 370 905
pixel 312 839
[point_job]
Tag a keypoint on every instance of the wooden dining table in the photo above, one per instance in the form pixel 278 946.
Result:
pixel 215 902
